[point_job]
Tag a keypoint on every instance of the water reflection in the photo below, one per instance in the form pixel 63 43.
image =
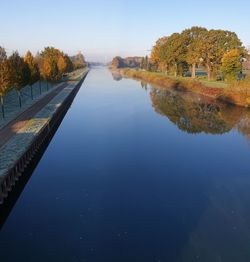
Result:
pixel 116 76
pixel 223 230
pixel 123 184
pixel 194 113
pixel 144 85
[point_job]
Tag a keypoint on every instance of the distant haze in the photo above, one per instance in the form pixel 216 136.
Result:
pixel 104 29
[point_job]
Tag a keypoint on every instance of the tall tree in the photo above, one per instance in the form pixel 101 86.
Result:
pixel 117 62
pixel 39 61
pixel 46 70
pixel 5 81
pixel 214 44
pixel 3 54
pixel 20 73
pixel 155 54
pixel 62 64
pixel 231 64
pixel 49 65
pixel 192 38
pixel 69 63
pixel 79 61
pixel 34 70
pixel 142 63
pixel 173 52
pixel 146 62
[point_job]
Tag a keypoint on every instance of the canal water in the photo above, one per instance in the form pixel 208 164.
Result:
pixel 136 173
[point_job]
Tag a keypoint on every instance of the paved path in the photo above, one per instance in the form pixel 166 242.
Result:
pixel 18 123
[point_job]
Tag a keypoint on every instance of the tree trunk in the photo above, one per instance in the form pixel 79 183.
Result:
pixel 2 105
pixel 193 70
pixel 176 70
pixel 31 91
pixel 40 87
pixel 166 69
pixel 209 72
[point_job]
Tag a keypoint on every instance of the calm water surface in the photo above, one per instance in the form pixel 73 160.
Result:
pixel 136 173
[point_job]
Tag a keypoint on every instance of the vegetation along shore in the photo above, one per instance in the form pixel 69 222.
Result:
pixel 210 62
pixel 48 66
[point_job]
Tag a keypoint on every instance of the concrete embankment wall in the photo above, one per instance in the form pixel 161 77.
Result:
pixel 18 153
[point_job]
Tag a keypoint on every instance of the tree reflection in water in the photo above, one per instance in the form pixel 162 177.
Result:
pixel 223 230
pixel 116 76
pixel 194 113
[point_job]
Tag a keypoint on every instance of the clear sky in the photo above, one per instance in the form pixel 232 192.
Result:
pixel 103 29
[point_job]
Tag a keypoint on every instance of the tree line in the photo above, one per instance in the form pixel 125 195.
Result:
pixel 48 65
pixel 220 52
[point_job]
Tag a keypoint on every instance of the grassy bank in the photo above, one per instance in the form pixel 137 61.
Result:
pixel 237 93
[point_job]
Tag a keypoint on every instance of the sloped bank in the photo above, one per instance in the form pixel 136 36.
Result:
pixel 236 94
pixel 19 152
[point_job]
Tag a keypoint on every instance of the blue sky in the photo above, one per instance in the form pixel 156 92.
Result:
pixel 103 29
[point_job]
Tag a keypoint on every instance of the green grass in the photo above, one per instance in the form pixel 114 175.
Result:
pixel 216 84
pixel 237 93
pixel 207 83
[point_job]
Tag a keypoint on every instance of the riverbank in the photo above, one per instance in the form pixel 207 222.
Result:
pixel 25 142
pixel 237 94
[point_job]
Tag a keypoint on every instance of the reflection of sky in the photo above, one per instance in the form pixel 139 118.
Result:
pixel 222 232
pixel 120 181
pixel 103 29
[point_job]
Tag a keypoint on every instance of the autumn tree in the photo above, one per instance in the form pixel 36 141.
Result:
pixel 117 62
pixel 78 61
pixel 194 46
pixel 155 57
pixel 232 64
pixel 39 61
pixel 3 55
pixel 173 52
pixel 62 64
pixel 145 63
pixel 142 63
pixel 69 63
pixel 5 81
pixel 34 70
pixel 192 38
pixel 214 45
pixel 45 70
pixel 49 66
pixel 20 73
